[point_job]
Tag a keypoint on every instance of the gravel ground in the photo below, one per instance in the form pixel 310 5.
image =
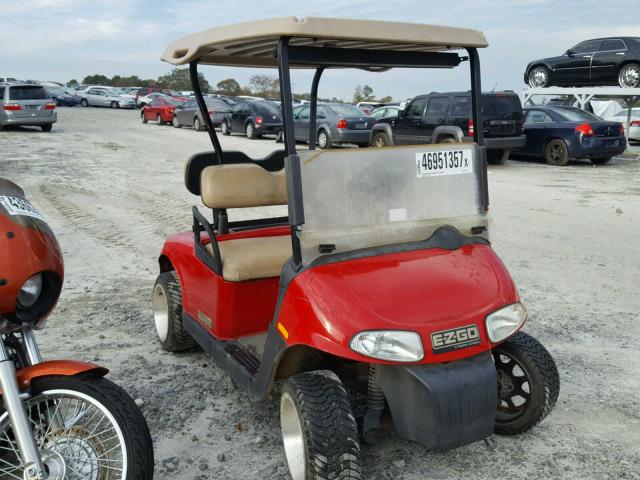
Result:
pixel 112 190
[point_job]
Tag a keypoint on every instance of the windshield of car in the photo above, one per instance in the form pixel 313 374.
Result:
pixel 576 115
pixel 28 92
pixel 347 110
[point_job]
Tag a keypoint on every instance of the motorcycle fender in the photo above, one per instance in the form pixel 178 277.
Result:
pixel 442 406
pixel 65 368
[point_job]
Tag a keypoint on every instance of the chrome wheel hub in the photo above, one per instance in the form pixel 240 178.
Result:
pixel 161 312
pixel 292 438
pixel 538 78
pixel 631 77
pixel 54 465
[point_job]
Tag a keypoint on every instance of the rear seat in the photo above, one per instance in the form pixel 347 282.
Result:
pixel 243 186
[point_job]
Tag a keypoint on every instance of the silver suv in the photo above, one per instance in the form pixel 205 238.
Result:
pixel 28 105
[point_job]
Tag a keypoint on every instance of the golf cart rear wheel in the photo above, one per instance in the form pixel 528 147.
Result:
pixel 319 431
pixel 528 384
pixel 167 313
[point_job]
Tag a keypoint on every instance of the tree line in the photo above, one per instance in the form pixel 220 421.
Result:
pixel 265 86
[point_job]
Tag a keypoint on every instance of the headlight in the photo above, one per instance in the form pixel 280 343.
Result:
pixel 30 291
pixel 390 345
pixel 504 322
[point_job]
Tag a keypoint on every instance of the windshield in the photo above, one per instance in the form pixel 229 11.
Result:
pixel 576 115
pixel 347 110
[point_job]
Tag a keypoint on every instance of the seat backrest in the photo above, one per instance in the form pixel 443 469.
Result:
pixel 242 185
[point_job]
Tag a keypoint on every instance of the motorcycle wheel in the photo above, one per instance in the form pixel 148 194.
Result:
pixel 87 428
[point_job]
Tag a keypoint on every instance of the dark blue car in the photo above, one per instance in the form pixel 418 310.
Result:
pixel 62 96
pixel 560 133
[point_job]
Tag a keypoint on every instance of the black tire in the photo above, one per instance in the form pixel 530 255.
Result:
pixel 47 127
pixel 556 152
pixel 363 145
pixel 250 131
pixel 520 361
pixel 315 406
pixel 601 160
pixel 57 102
pixel 538 77
pixel 84 102
pixel 115 105
pixel 496 157
pixel 380 139
pixel 125 412
pixel 172 335
pixel 159 120
pixel 175 122
pixel 142 119
pixel 225 128
pixel 197 125
pixel 629 76
pixel 323 140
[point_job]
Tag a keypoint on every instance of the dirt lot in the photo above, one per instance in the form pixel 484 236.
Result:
pixel 112 190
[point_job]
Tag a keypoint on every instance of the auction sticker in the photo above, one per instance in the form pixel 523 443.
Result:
pixel 19 206
pixel 444 162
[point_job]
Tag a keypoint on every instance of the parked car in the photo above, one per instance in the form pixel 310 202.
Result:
pixel 62 96
pixel 104 97
pixel 602 61
pixel 367 107
pixel 7 79
pixel 253 118
pixel 160 110
pixel 446 117
pixel 388 111
pixel 560 133
pixel 634 127
pixel 27 105
pixel 336 123
pixel 188 114
pixel 146 91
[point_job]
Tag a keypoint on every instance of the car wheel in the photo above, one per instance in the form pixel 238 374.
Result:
pixel 57 102
pixel 197 126
pixel 176 123
pixel 142 118
pixel 250 131
pixel 47 127
pixel 539 77
pixel 159 120
pixel 115 105
pixel 225 128
pixel 323 139
pixel 629 76
pixel 380 139
pixel 167 313
pixel 84 102
pixel 319 431
pixel 556 152
pixel 528 384
pixel 601 160
pixel 497 157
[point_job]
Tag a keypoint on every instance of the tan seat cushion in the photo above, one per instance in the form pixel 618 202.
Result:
pixel 251 258
pixel 242 185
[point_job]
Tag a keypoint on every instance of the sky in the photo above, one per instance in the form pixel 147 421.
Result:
pixel 64 39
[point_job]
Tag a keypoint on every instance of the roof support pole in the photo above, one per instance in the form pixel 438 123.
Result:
pixel 478 133
pixel 313 109
pixel 204 111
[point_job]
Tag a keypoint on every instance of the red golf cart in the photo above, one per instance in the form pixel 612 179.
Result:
pixel 379 295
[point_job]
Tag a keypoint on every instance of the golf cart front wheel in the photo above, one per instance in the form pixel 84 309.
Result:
pixel 528 384
pixel 167 313
pixel 319 431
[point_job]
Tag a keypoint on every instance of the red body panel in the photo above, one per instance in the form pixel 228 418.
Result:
pixel 227 309
pixel 159 107
pixel 324 307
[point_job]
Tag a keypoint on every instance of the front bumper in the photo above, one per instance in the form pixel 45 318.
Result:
pixel 505 143
pixel 442 406
pixel 351 136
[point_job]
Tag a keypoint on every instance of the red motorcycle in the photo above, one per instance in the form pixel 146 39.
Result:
pixel 61 419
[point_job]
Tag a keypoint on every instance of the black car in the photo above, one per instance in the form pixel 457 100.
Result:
pixel 560 133
pixel 188 114
pixel 62 96
pixel 253 118
pixel 603 61
pixel 446 117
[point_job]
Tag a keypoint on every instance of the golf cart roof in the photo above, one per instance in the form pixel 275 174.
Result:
pixel 251 44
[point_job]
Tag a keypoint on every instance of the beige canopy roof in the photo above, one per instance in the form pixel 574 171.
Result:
pixel 251 44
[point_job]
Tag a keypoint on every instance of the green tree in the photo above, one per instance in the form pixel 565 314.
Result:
pixel 179 79
pixel 96 80
pixel 363 93
pixel 229 86
pixel 72 83
pixel 266 86
pixel 387 99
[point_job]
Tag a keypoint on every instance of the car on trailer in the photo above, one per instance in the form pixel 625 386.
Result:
pixel 379 295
